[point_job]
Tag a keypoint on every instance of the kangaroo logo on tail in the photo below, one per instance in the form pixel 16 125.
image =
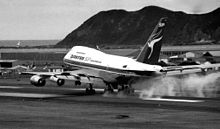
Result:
pixel 151 50
pixel 154 41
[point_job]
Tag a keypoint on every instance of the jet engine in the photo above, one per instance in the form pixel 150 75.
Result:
pixel 38 81
pixel 59 81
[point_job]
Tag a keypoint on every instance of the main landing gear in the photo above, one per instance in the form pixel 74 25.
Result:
pixel 126 90
pixel 122 89
pixel 90 90
pixel 109 90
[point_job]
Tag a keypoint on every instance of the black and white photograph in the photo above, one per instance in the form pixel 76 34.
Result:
pixel 109 64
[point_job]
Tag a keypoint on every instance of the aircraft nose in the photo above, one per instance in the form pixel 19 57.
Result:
pixel 67 56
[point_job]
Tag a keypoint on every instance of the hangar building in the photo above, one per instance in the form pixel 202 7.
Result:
pixel 8 63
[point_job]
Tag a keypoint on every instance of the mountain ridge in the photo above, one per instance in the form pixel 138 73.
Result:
pixel 121 27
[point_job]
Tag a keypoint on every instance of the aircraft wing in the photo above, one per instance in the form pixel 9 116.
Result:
pixel 44 74
pixel 75 75
pixel 189 69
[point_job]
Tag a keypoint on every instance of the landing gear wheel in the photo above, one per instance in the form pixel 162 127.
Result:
pixel 121 88
pixel 87 90
pixel 126 90
pixel 60 82
pixel 90 90
pixel 108 90
pixel 77 83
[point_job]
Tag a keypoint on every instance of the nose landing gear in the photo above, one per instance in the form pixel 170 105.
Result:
pixel 122 89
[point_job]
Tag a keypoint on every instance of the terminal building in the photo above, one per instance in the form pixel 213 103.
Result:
pixel 36 56
pixel 33 57
pixel 197 53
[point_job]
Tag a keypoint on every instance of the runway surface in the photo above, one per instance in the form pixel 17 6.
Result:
pixel 25 106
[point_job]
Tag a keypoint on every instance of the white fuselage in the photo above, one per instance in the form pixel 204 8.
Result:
pixel 95 59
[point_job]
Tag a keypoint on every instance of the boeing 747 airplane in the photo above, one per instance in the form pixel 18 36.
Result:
pixel 116 71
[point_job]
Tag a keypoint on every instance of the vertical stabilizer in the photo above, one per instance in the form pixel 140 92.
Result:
pixel 151 51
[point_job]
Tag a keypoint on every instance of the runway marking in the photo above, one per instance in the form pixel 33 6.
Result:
pixel 173 100
pixel 29 95
pixel 10 87
pixel 35 95
pixel 100 89
pixel 96 89
pixel 76 89
pixel 83 89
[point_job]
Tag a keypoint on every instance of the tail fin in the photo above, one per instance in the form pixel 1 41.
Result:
pixel 151 51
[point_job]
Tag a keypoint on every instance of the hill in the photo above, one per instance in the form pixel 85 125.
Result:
pixel 120 27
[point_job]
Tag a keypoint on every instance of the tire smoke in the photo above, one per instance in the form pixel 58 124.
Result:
pixel 188 86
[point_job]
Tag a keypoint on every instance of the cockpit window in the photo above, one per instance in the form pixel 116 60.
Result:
pixel 80 52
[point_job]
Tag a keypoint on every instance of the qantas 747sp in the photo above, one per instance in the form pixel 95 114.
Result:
pixel 116 71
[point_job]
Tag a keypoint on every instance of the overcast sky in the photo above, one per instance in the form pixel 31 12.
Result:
pixel 54 19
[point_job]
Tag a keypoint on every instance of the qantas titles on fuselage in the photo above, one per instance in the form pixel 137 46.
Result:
pixel 84 58
pixel 77 57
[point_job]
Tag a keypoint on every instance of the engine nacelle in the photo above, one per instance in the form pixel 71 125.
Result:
pixel 38 81
pixel 59 81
